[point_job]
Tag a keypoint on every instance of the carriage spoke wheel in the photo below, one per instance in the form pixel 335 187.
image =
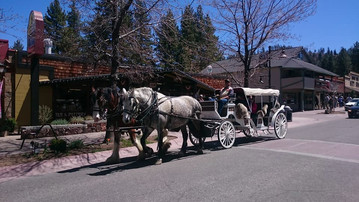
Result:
pixel 193 139
pixel 226 134
pixel 280 126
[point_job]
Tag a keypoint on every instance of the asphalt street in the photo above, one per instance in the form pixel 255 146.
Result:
pixel 309 119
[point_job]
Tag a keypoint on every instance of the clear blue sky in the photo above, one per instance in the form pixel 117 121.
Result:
pixel 335 24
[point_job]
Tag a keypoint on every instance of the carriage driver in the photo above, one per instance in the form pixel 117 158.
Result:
pixel 224 95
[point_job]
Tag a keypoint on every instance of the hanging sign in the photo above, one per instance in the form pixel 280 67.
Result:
pixel 35 34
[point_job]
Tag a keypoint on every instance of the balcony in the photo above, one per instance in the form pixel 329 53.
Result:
pixel 297 83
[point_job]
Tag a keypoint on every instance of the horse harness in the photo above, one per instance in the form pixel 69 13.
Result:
pixel 152 109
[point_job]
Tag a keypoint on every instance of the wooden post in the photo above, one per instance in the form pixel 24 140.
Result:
pixel 34 88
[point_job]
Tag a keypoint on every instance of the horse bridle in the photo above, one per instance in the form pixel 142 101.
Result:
pixel 112 100
pixel 137 112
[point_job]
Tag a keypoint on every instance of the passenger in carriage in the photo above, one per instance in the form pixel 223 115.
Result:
pixel 224 95
pixel 253 107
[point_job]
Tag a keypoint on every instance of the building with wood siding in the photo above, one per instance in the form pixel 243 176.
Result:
pixel 300 82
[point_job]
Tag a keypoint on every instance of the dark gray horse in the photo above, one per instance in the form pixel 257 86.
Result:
pixel 157 111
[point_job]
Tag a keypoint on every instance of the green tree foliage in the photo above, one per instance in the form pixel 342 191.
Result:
pixel 118 33
pixel 72 41
pixel 188 39
pixel 18 45
pixel 341 64
pixel 168 44
pixel 143 42
pixel 354 55
pixel 212 52
pixel 98 33
pixel 344 64
pixel 199 44
pixel 55 22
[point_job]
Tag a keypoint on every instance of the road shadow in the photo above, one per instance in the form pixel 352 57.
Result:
pixel 129 163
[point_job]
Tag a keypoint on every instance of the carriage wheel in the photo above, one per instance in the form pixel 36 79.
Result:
pixel 193 139
pixel 226 134
pixel 280 125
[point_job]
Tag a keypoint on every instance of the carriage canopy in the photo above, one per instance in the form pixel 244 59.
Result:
pixel 257 91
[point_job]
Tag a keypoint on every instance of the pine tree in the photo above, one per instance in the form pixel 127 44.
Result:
pixel 188 40
pixel 18 45
pixel 168 45
pixel 354 55
pixel 199 44
pixel 72 41
pixel 212 51
pixel 142 45
pixel 55 22
pixel 343 63
pixel 113 38
pixel 98 34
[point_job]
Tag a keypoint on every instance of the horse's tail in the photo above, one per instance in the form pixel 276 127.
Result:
pixel 194 127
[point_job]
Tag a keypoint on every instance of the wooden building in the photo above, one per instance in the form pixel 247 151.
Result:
pixel 288 70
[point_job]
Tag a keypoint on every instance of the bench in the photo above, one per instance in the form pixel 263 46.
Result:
pixel 24 133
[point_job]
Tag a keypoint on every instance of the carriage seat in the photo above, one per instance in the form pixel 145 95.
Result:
pixel 261 114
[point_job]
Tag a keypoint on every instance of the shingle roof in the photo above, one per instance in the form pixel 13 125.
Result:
pixel 293 63
pixel 277 60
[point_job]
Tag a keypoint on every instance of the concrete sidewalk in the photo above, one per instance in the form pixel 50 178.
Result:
pixel 11 145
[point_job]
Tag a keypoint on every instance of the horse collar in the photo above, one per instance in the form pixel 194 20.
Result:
pixel 151 108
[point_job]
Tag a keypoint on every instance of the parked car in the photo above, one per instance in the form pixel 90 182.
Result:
pixel 351 103
pixel 354 111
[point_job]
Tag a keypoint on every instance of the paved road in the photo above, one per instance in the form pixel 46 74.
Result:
pixel 10 145
pixel 318 162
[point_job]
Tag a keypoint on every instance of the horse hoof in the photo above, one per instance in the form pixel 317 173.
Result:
pixel 149 151
pixel 159 162
pixel 166 146
pixel 112 161
pixel 200 151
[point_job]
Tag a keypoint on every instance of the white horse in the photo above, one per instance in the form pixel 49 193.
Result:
pixel 157 111
pixel 109 99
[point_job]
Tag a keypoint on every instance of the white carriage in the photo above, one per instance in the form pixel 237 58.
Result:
pixel 235 117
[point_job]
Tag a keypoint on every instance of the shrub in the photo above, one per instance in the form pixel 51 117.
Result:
pixel 7 125
pixel 77 119
pixel 88 118
pixel 45 114
pixel 58 145
pixel 59 122
pixel 76 144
